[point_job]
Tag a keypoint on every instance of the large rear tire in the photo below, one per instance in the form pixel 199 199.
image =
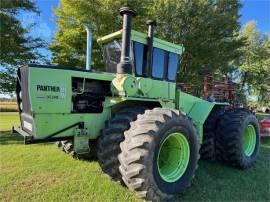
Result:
pixel 207 150
pixel 238 139
pixel 159 154
pixel 108 147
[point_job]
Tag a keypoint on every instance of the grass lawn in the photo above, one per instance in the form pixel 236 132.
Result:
pixel 43 173
pixel 8 119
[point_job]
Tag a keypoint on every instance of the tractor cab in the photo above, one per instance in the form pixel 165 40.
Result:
pixel 164 61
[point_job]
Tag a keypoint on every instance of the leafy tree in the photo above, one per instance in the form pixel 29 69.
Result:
pixel 255 63
pixel 17 47
pixel 69 46
pixel 208 29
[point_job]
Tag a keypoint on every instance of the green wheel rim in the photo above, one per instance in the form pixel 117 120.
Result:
pixel 249 141
pixel 173 157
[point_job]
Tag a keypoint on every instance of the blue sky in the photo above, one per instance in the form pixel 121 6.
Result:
pixel 257 10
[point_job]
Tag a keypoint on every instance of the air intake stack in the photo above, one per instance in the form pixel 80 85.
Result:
pixel 125 66
pixel 89 29
pixel 150 39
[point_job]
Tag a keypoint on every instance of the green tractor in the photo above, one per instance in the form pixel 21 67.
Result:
pixel 145 132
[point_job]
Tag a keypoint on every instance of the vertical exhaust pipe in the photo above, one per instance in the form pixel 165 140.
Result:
pixel 89 47
pixel 150 38
pixel 125 67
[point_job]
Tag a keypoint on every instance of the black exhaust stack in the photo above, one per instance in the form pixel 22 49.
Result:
pixel 149 62
pixel 125 67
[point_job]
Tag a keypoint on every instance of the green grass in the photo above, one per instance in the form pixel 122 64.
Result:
pixel 7 120
pixel 43 173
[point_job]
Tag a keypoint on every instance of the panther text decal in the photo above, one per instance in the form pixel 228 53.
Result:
pixel 48 88
pixel 50 92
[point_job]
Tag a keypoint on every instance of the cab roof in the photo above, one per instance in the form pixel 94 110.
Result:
pixel 142 38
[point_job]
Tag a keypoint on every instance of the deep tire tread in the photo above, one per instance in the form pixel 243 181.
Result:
pixel 229 143
pixel 136 152
pixel 109 142
pixel 207 150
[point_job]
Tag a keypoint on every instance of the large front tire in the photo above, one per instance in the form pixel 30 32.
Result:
pixel 238 139
pixel 108 147
pixel 159 154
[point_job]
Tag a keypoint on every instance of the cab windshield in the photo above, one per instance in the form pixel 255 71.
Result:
pixel 165 63
pixel 112 54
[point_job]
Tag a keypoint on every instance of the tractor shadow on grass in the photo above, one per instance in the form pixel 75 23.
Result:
pixel 215 181
pixel 9 138
pixel 6 137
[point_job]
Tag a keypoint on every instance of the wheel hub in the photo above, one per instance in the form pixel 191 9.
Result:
pixel 249 140
pixel 173 157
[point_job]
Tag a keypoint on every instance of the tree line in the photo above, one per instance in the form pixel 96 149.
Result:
pixel 210 31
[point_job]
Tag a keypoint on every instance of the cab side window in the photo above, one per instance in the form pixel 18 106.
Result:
pixel 139 50
pixel 158 63
pixel 172 66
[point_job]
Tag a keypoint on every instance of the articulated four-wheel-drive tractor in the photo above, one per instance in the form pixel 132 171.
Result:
pixel 144 131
